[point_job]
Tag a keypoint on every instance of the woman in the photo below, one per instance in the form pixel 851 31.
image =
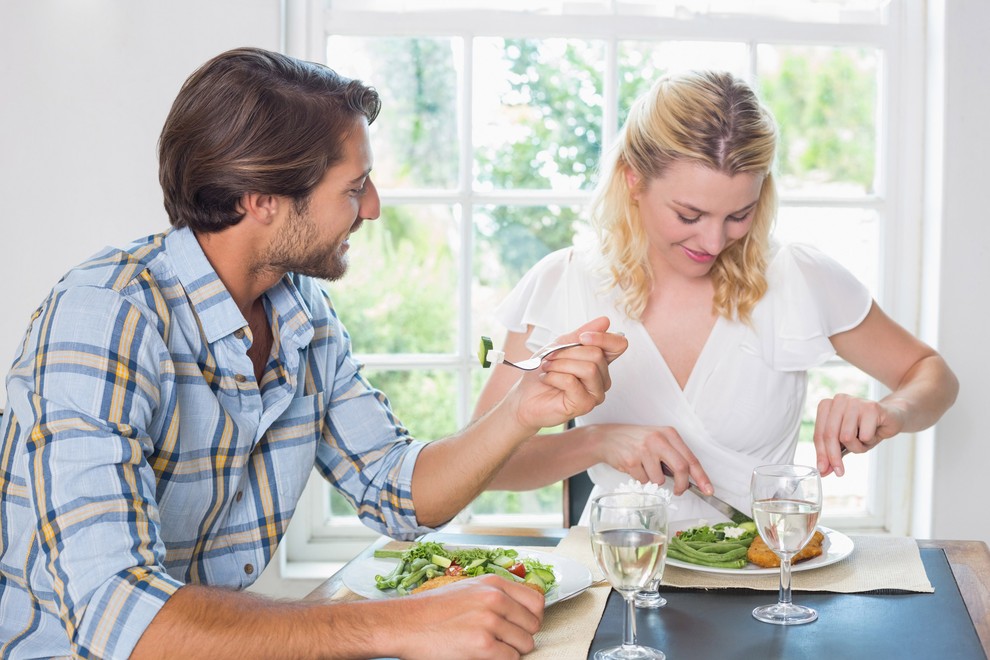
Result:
pixel 722 324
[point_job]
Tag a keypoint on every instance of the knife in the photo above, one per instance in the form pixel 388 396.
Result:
pixel 723 507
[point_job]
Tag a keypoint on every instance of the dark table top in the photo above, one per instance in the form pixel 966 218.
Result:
pixel 954 622
pixel 698 623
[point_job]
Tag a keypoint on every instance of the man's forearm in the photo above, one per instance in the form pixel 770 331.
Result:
pixel 451 472
pixel 210 622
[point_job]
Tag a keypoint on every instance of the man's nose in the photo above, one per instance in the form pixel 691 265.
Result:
pixel 371 203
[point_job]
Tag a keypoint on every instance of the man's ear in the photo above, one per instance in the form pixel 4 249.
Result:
pixel 260 207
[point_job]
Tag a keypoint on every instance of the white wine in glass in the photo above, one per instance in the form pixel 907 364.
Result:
pixel 787 500
pixel 629 537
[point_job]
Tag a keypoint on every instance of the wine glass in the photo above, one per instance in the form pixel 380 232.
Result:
pixel 629 539
pixel 649 598
pixel 787 500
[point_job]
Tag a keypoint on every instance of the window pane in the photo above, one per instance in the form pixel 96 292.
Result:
pixel 538 112
pixel 819 11
pixel 548 500
pixel 509 240
pixel 825 102
pixel 642 62
pixel 425 401
pixel 847 494
pixel 415 138
pixel 850 236
pixel 410 304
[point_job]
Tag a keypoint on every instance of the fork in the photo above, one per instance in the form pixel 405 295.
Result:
pixel 490 356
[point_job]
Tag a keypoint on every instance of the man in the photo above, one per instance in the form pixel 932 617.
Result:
pixel 170 399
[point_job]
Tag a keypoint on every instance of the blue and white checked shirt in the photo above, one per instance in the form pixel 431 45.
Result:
pixel 139 453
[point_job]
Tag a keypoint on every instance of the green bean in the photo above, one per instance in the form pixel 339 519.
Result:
pixel 720 548
pixel 738 552
pixel 739 563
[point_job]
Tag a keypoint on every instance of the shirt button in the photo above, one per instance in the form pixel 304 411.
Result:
pixel 240 378
pixel 249 568
pixel 239 333
pixel 239 496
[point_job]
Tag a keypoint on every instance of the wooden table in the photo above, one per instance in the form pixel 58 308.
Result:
pixel 968 560
pixel 970 564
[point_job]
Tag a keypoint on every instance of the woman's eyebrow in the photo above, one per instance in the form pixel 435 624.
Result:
pixel 746 208
pixel 689 207
pixel 695 209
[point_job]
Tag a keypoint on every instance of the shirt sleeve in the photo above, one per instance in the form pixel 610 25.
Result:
pixel 810 298
pixel 82 393
pixel 541 299
pixel 366 453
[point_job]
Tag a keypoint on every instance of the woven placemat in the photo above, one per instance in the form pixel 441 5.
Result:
pixel 886 564
pixel 569 626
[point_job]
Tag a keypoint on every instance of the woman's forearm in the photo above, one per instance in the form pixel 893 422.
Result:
pixel 927 390
pixel 548 458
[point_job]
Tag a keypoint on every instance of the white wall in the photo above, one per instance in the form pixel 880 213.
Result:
pixel 86 86
pixel 961 450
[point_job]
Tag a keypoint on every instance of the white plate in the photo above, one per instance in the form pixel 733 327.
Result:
pixel 836 547
pixel 572 577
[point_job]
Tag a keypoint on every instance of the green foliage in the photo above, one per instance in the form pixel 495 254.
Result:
pixel 824 101
pixel 400 295
pixel 555 95
pixel 418 84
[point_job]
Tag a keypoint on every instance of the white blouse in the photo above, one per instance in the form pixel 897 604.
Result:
pixel 741 406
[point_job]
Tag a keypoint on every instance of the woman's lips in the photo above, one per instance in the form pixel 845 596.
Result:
pixel 699 257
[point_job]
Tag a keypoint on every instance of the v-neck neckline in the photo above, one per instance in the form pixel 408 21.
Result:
pixel 701 364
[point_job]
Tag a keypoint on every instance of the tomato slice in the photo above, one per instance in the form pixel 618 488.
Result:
pixel 454 569
pixel 518 569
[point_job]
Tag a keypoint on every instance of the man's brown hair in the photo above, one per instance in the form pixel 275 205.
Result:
pixel 251 120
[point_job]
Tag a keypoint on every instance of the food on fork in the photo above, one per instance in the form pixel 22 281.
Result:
pixel 761 555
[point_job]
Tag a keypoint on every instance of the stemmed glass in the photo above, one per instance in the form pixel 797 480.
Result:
pixel 629 539
pixel 787 500
pixel 649 598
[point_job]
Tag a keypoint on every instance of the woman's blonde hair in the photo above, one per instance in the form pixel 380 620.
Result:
pixel 710 118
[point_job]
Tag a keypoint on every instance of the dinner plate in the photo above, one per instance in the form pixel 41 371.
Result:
pixel 836 547
pixel 572 576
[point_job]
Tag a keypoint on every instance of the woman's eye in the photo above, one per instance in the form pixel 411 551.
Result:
pixel 738 218
pixel 689 221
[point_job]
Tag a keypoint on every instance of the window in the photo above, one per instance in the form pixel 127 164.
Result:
pixel 493 120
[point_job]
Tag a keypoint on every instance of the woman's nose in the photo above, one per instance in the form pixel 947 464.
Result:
pixel 713 236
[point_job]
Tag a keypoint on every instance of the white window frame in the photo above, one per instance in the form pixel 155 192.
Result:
pixel 898 198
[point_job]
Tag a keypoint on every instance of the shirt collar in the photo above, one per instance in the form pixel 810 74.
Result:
pixel 216 309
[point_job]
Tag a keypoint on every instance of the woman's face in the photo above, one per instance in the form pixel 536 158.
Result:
pixel 692 213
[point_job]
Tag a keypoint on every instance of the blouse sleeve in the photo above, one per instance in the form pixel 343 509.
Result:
pixel 541 299
pixel 810 297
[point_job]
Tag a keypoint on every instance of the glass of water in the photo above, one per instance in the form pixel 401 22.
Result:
pixel 629 539
pixel 787 500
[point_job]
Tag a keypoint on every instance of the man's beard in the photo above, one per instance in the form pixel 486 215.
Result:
pixel 297 249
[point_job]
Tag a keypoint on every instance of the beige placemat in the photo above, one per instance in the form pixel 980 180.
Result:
pixel 569 627
pixel 877 563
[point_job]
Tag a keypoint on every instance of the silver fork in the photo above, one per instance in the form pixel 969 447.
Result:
pixel 530 364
